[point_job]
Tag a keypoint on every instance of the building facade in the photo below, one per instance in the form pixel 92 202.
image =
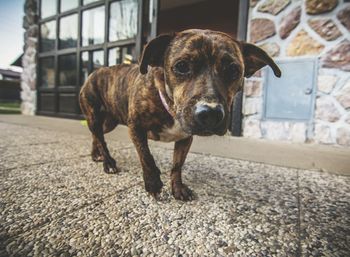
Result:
pixel 311 40
pixel 65 40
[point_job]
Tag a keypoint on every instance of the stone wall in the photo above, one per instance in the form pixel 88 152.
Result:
pixel 28 77
pixel 298 28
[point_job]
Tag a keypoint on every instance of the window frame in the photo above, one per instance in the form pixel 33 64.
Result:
pixel 58 33
pixel 78 50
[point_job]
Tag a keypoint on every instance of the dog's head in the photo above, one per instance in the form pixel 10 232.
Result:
pixel 203 70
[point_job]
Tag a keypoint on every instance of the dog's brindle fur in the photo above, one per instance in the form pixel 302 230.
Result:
pixel 130 95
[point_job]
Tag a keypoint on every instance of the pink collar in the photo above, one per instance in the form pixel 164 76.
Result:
pixel 165 104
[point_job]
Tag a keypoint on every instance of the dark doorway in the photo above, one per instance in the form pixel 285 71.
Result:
pixel 229 16
pixel 178 15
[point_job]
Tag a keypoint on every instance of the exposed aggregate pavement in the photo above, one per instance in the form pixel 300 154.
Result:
pixel 54 201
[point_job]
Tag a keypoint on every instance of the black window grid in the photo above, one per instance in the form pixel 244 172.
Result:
pixel 78 50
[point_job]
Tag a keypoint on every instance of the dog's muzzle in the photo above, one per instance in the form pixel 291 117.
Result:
pixel 208 116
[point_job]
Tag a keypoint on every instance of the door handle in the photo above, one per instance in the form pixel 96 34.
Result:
pixel 308 91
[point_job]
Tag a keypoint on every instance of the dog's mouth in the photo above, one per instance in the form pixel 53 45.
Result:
pixel 192 128
pixel 209 132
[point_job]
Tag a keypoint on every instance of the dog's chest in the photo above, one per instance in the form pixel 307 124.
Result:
pixel 170 134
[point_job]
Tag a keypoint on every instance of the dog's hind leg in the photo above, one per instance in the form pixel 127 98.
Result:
pixel 96 155
pixel 99 144
pixel 108 125
pixel 98 125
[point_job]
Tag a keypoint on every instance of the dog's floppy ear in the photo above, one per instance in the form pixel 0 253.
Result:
pixel 255 58
pixel 153 53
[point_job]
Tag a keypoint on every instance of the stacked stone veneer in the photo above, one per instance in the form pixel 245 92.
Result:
pixel 29 59
pixel 303 28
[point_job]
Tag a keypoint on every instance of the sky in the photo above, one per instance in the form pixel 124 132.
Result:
pixel 11 31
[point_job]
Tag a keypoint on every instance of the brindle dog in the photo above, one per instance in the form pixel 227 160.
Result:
pixel 188 91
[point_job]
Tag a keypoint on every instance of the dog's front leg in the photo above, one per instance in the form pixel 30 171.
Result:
pixel 151 173
pixel 179 190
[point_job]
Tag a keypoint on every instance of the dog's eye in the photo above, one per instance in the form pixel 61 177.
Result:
pixel 182 67
pixel 231 72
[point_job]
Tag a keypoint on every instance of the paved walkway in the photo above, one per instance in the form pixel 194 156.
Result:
pixel 54 201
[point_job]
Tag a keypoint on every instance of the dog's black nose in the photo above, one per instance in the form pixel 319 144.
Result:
pixel 209 117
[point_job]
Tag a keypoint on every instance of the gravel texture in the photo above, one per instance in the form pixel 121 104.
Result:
pixel 325 214
pixel 54 201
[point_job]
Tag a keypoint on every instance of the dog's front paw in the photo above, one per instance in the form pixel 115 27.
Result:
pixel 110 165
pixel 181 192
pixel 153 185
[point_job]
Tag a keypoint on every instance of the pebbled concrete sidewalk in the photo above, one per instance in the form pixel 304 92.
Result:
pixel 54 201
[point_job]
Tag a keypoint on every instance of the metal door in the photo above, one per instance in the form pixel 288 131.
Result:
pixel 292 96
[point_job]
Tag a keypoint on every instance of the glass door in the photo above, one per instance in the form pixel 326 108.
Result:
pixel 76 38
